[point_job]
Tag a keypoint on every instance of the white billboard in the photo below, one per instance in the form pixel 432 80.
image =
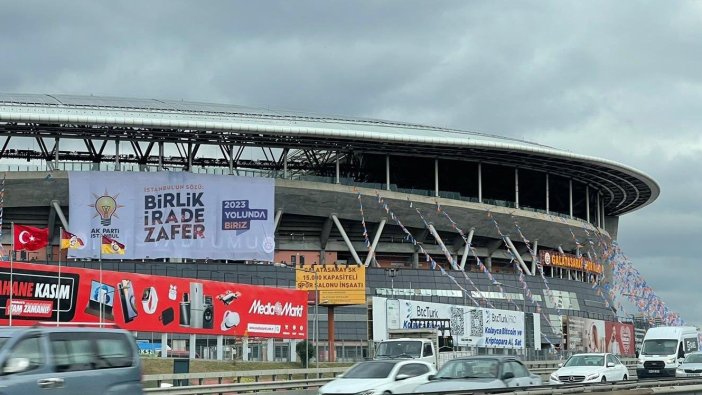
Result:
pixel 172 215
pixel 470 326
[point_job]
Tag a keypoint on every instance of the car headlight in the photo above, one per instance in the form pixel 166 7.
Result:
pixel 366 392
pixel 670 360
pixel 679 371
pixel 640 361
pixel 554 376
pixel 592 376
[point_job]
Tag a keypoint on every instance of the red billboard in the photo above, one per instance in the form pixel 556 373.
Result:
pixel 619 338
pixel 147 303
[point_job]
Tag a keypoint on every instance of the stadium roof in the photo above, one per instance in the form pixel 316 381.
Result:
pixel 625 189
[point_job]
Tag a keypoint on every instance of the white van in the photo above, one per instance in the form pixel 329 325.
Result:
pixel 663 349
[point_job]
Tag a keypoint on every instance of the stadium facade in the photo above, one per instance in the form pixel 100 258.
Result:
pixel 425 192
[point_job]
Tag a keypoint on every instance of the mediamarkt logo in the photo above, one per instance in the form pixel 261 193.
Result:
pixel 275 309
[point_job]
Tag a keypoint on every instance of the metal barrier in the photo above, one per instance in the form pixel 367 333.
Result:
pixel 281 379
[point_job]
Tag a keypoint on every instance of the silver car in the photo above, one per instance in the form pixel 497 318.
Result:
pixel 481 372
pixel 69 361
pixel 691 366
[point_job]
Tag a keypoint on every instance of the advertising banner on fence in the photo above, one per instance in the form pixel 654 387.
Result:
pixel 172 214
pixel 337 284
pixel 584 335
pixel 150 303
pixel 470 326
pixel 619 338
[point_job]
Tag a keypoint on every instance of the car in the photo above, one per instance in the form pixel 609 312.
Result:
pixel 590 368
pixel 380 377
pixel 691 366
pixel 68 361
pixel 480 372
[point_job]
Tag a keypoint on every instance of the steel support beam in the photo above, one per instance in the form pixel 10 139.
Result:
pixel 466 250
pixel 387 172
pixel 447 253
pixel 276 221
pixel 516 187
pixel 324 235
pixel 534 257
pixel 371 253
pixel 480 182
pixel 55 204
pixel 346 239
pixel 517 255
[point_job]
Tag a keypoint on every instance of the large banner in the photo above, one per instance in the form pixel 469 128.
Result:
pixel 172 215
pixel 619 338
pixel 584 335
pixel 470 326
pixel 150 303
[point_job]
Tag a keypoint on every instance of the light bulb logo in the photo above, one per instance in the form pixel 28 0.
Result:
pixel 106 207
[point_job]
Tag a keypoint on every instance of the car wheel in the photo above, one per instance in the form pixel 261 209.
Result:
pixel 625 378
pixel 387 393
pixel 604 379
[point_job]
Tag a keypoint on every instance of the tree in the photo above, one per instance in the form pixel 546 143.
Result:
pixel 306 351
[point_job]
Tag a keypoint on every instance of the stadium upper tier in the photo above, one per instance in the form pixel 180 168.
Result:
pixel 362 150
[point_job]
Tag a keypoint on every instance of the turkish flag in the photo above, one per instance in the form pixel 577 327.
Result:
pixel 30 238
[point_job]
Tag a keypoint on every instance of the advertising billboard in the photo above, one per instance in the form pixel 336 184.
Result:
pixel 584 335
pixel 172 214
pixel 337 284
pixel 147 303
pixel 470 326
pixel 619 338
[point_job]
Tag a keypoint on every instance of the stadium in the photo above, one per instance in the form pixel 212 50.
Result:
pixel 435 214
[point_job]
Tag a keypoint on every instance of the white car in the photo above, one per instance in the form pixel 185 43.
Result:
pixel 380 377
pixel 590 368
pixel 691 366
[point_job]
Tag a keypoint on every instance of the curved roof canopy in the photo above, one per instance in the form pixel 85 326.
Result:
pixel 625 189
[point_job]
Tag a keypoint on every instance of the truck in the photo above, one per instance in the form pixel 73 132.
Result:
pixel 432 345
pixel 664 348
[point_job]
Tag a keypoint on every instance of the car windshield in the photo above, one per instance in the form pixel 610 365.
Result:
pixel 585 360
pixel 469 368
pixel 402 349
pixel 369 370
pixel 694 358
pixel 659 347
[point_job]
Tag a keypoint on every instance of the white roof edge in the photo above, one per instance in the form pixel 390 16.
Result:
pixel 473 141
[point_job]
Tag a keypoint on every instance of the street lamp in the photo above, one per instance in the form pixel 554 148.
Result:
pixel 315 329
pixel 513 287
pixel 392 272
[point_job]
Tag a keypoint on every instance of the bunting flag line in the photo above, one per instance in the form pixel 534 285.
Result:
pixel 432 263
pixel 453 262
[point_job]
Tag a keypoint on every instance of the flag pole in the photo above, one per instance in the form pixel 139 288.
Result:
pixel 12 257
pixel 100 296
pixel 58 286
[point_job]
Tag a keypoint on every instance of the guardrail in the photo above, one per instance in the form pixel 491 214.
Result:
pixel 281 379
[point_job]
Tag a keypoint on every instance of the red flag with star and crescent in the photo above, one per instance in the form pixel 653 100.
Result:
pixel 30 238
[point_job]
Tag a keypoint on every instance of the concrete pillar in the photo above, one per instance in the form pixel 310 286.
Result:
pixel 548 206
pixel 516 187
pixel 415 260
pixel 164 345
pixel 480 182
pixel 220 347
pixel 488 262
pixel 270 350
pixel 387 172
pixel 293 350
pixel 570 197
pixel 245 348
pixel 436 177
pixel 191 345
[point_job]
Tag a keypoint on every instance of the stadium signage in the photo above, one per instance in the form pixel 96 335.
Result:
pixel 567 261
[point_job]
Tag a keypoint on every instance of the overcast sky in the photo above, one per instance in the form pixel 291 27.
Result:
pixel 618 80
